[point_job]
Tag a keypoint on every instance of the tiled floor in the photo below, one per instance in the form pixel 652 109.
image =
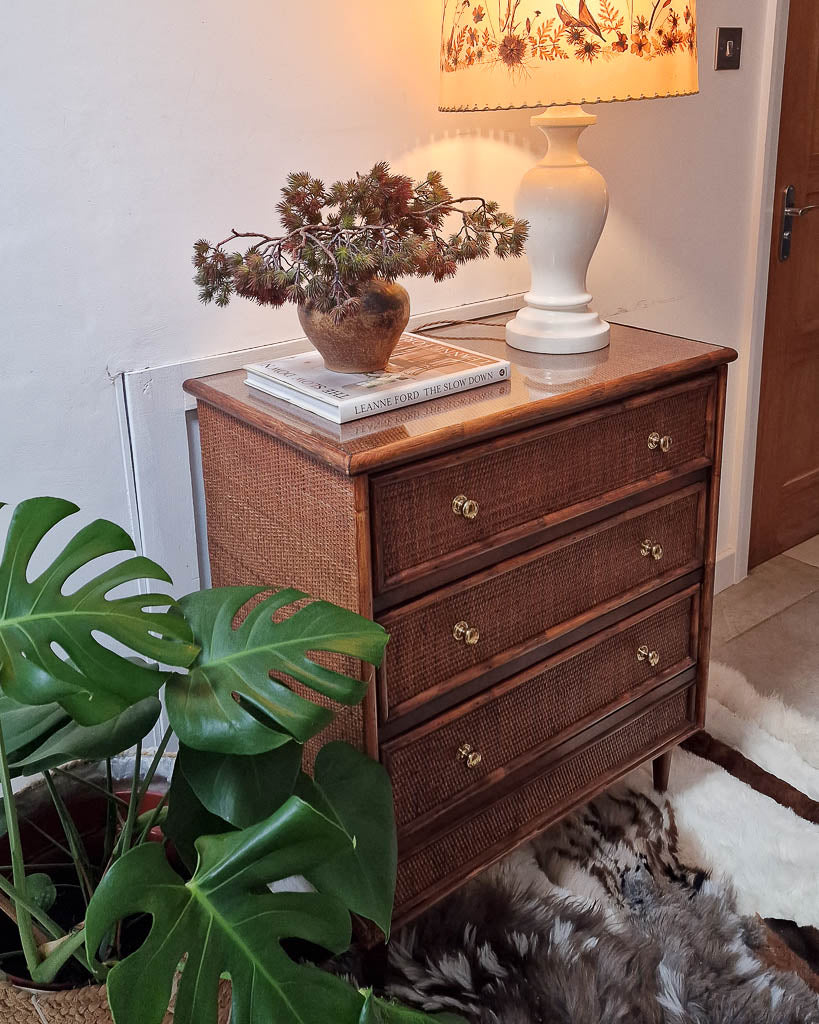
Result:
pixel 767 626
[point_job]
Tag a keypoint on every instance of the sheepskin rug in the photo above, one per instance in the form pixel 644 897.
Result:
pixel 769 855
pixel 769 731
pixel 598 920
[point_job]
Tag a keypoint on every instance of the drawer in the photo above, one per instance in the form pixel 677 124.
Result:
pixel 515 721
pixel 535 478
pixel 516 607
pixel 430 871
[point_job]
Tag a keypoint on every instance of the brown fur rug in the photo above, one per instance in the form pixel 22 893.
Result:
pixel 597 921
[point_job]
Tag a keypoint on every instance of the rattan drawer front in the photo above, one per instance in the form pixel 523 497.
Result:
pixel 548 471
pixel 519 605
pixel 516 719
pixel 472 844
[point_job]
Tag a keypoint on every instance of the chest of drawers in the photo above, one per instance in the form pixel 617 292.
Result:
pixel 541 552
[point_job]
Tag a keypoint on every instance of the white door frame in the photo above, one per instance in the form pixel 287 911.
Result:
pixel 749 365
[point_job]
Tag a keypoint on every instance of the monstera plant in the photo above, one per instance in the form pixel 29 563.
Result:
pixel 177 892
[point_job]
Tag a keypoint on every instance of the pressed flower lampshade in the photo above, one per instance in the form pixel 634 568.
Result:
pixel 506 54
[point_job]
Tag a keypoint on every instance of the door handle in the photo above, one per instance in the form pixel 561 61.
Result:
pixel 800 211
pixel 789 211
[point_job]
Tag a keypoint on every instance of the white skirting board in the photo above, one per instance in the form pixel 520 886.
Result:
pixel 725 570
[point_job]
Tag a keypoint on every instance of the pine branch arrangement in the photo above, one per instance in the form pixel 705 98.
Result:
pixel 337 239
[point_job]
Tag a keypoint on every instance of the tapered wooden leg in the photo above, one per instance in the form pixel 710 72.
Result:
pixel 662 770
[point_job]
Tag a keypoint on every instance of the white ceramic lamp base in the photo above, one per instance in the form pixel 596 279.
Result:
pixel 565 201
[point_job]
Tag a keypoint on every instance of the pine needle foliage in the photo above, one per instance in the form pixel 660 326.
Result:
pixel 336 240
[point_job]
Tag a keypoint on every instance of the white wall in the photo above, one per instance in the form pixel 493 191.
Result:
pixel 133 129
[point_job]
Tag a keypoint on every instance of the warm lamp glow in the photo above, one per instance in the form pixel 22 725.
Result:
pixel 539 53
pixel 502 54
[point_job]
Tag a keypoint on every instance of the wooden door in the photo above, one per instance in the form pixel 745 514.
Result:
pixel 786 482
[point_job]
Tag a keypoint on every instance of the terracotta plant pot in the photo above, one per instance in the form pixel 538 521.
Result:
pixel 361 342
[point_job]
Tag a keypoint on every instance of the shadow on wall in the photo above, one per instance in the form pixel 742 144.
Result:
pixel 640 265
pixel 477 159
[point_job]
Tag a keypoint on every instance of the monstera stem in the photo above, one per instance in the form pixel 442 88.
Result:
pixel 133 804
pixel 110 814
pixel 139 788
pixel 154 765
pixel 24 924
pixel 79 855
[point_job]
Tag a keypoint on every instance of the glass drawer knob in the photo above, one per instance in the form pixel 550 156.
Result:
pixel 644 654
pixel 463 631
pixel 471 758
pixel 649 547
pixel 463 506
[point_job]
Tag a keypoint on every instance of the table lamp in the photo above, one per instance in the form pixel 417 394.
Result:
pixel 525 53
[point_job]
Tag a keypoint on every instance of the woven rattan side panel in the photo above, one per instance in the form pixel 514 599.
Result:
pixel 473 843
pixel 519 483
pixel 538 592
pixel 426 770
pixel 277 517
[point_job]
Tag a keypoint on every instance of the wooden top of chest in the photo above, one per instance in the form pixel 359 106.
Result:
pixel 541 388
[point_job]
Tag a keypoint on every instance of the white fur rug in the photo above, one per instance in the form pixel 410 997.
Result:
pixel 769 853
pixel 765 724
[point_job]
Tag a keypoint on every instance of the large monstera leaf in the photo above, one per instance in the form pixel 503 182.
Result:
pixel 43 737
pixel 214 792
pixel 53 645
pixel 355 792
pixel 241 789
pixel 229 702
pixel 226 921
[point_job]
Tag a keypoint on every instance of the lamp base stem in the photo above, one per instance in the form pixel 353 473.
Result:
pixel 565 201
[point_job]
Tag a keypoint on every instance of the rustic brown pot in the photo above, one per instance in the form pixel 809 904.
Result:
pixel 361 342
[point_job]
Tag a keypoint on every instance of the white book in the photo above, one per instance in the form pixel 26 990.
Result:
pixel 419 370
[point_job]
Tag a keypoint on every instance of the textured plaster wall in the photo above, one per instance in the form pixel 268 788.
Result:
pixel 129 130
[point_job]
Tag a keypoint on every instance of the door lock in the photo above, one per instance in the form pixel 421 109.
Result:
pixel 789 211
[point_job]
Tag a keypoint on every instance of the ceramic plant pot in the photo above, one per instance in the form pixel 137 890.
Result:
pixel 361 342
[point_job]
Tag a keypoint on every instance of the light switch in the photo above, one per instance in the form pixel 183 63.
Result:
pixel 729 49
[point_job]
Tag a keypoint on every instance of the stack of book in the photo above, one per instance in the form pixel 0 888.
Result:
pixel 419 370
